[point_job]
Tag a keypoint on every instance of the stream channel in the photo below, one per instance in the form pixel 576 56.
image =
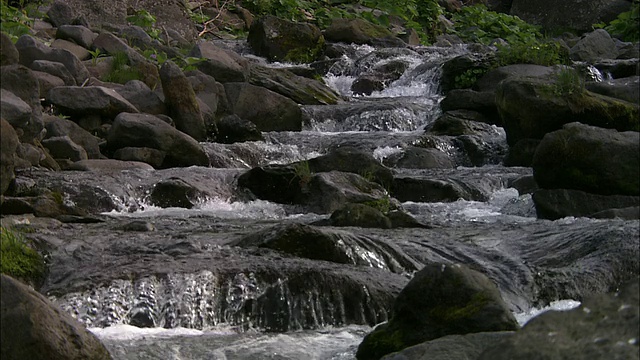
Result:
pixel 167 283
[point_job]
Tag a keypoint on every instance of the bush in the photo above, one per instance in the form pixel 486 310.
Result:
pixel 627 26
pixel 18 259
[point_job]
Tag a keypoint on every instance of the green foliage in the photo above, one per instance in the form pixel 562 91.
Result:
pixel 627 25
pixel 545 53
pixel 120 71
pixel 14 21
pixel 477 24
pixel 469 77
pixel 18 259
pixel 383 204
pixel 568 82
pixel 146 21
pixel 303 173
pixel 95 54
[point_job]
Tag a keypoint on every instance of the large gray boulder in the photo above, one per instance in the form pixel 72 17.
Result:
pixel 31 49
pixel 76 33
pixel 270 111
pixel 579 15
pixel 13 109
pixel 144 130
pixel 181 101
pixel 440 300
pixel 33 328
pixel 8 144
pixel 590 159
pixel 22 82
pixel 604 327
pixel 594 46
pixel 89 100
pixel 627 88
pixel 54 68
pixel 223 64
pixel 360 31
pixel 8 53
pixel 555 204
pixel 142 97
pixel 300 89
pixel 452 347
pixel 283 40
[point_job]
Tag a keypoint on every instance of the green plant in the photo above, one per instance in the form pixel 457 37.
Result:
pixel 18 259
pixel 627 25
pixel 545 53
pixel 469 77
pixel 121 71
pixel 14 21
pixel 302 173
pixel 146 21
pixel 95 54
pixel 568 82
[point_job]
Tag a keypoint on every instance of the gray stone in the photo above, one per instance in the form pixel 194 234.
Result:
pixel 54 68
pixel 22 82
pixel 224 65
pixel 555 204
pixel 595 46
pixel 62 147
pixel 147 155
pixel 76 100
pixel 452 347
pixel 47 82
pixel 78 34
pixel 142 97
pixel 57 126
pixel 8 53
pixel 283 40
pixel 61 13
pixel 108 165
pixel 31 49
pixel 627 89
pixel 77 50
pixel 13 109
pixel 8 147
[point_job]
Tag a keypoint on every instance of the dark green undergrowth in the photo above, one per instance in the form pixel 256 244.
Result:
pixel 626 26
pixel 18 259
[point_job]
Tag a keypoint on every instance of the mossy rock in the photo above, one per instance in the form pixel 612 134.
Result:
pixel 283 40
pixel 19 259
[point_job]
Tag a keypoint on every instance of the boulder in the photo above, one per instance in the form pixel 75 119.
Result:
pixel 577 15
pixel 521 153
pixel 76 33
pixel 350 159
pixel 420 189
pixel 490 80
pixel 415 157
pixel 594 46
pixel 482 102
pixel 360 31
pixel 555 204
pixel 144 130
pixel 589 159
pixel 39 330
pixel 107 166
pixel 360 215
pixel 300 89
pixel 62 147
pixel 181 101
pixel 529 109
pixel 153 157
pixel 80 101
pixel 604 326
pixel 22 82
pixel 328 191
pixel 232 128
pixel 283 40
pixel 461 122
pixel 208 91
pixel 336 246
pixel 619 68
pixel 175 192
pixel 627 213
pixel 142 97
pixel 268 110
pixel 48 205
pixel 627 89
pixel 47 82
pixel 224 65
pixel 440 300
pixel 452 347
pixel 31 49
pixel 452 68
pixel 111 44
pixel 54 68
pixel 61 13
pixel 8 53
pixel 8 145
pixel 77 50
pixel 14 110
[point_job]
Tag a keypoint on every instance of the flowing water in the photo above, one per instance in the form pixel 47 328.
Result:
pixel 175 274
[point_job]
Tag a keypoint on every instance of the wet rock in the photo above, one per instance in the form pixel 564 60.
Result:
pixel 108 165
pixel 224 65
pixel 567 159
pixel 401 219
pixel 367 84
pixel 420 158
pixel 57 126
pixel 181 101
pixel 594 46
pixel 175 193
pixel 147 155
pixel 490 80
pixel 62 147
pixel 461 122
pixel 61 13
pixel 360 31
pixel 336 246
pixel 558 203
pixel 55 69
pixel 208 90
pixel 524 184
pixel 521 153
pixel 482 150
pixel 232 128
pixel 482 102
pixel 111 44
pixel 76 33
pixel 282 40
pixel 32 49
pixel 40 330
pixel 604 327
pixel 467 347
pixel 626 89
pixel 428 190
pixel 529 110
pixel 353 160
pixel 138 225
pixel 80 101
pixel 8 145
pixel 328 191
pixel 619 68
pixel 15 111
pixel 441 299
pixel 275 113
pixel 360 215
pixel 8 53
pixel 572 14
pixel 142 97
pixel 458 65
pixel 143 130
pixel 21 82
pixel 627 213
pixel 77 50
pixel 48 204
pixel 300 89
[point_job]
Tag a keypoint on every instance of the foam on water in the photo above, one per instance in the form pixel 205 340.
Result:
pixel 128 332
pixel 559 305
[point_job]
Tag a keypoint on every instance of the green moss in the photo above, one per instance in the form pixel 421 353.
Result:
pixel 383 204
pixel 380 342
pixel 306 55
pixel 454 313
pixel 121 72
pixel 18 259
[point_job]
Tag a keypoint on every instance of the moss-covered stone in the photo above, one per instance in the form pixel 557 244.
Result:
pixel 19 259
